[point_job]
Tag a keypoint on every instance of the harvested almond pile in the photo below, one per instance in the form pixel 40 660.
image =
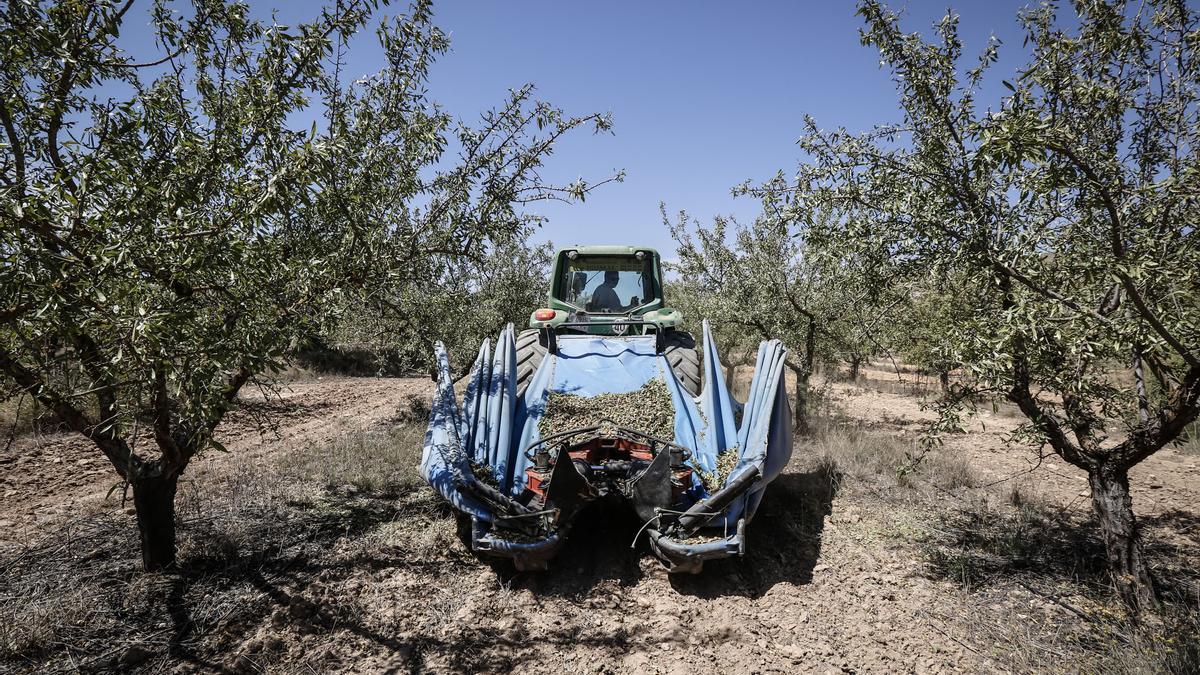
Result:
pixel 648 410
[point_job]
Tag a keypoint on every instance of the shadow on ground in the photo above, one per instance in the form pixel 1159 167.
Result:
pixel 253 573
pixel 979 546
pixel 234 564
pixel 783 543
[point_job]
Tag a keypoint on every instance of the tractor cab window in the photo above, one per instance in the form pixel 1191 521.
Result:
pixel 607 284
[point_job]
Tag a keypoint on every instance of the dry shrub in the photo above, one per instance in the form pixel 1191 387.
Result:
pixel 863 455
pixel 375 462
pixel 414 411
pixel 1189 441
pixel 949 472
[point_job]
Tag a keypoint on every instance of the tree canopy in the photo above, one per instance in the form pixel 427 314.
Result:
pixel 172 228
pixel 1067 214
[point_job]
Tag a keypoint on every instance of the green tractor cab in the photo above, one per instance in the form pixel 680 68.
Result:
pixel 614 290
pixel 610 291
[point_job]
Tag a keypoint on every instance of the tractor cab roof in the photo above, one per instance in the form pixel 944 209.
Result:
pixel 609 250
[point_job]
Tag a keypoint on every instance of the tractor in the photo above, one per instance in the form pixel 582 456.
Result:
pixel 605 396
pixel 571 306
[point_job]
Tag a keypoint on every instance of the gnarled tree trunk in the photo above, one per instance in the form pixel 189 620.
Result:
pixel 154 500
pixel 800 404
pixel 855 367
pixel 1114 509
pixel 803 371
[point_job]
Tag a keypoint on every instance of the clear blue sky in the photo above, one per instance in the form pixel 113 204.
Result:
pixel 704 94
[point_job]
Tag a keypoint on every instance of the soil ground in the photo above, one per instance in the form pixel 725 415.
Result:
pixel 311 546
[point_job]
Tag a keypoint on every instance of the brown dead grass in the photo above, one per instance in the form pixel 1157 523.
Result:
pixel 379 461
pixel 1189 443
pixel 1036 595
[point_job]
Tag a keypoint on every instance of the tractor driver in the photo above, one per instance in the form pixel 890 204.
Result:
pixel 605 298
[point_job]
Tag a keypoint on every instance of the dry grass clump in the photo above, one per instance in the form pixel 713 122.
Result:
pixel 649 410
pixel 1189 441
pixel 948 471
pixel 1168 644
pixel 863 455
pixel 32 623
pixel 888 460
pixel 51 593
pixel 375 462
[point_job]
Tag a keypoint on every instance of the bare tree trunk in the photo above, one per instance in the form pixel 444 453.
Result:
pixel 944 378
pixel 799 413
pixel 855 366
pixel 804 371
pixel 1114 509
pixel 800 402
pixel 154 500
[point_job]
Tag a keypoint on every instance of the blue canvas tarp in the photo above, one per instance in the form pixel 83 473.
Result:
pixel 492 427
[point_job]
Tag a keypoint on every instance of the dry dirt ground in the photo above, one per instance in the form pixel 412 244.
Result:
pixel 313 547
pixel 46 477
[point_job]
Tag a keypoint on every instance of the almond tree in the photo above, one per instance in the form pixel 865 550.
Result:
pixel 1070 210
pixel 458 305
pixel 170 228
pixel 761 282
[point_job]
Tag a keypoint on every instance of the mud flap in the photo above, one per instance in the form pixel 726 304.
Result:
pixel 567 490
pixel 651 490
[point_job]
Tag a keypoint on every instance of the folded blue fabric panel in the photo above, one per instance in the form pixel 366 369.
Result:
pixel 494 427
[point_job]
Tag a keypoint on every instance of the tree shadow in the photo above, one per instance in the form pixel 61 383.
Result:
pixel 783 542
pixel 190 616
pixel 599 550
pixel 1172 543
pixel 251 567
pixel 977 547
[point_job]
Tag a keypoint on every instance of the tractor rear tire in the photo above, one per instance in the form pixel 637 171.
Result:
pixel 684 358
pixel 531 349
